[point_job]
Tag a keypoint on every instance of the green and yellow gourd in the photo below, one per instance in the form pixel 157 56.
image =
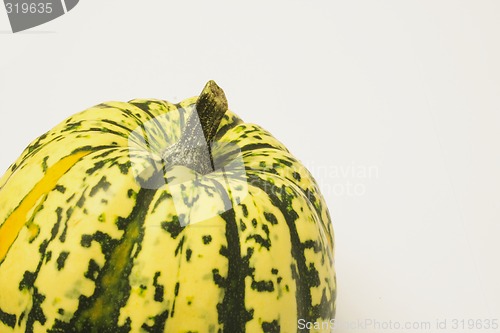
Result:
pixel 117 220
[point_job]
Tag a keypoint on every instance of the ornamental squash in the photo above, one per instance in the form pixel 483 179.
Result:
pixel 149 216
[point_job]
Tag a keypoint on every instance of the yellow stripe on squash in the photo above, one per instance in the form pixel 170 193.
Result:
pixel 17 219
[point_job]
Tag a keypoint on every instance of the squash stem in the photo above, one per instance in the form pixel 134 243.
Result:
pixel 193 150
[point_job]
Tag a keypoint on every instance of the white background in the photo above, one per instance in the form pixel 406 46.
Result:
pixel 394 106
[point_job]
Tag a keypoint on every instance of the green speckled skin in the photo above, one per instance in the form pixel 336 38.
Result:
pixel 85 248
